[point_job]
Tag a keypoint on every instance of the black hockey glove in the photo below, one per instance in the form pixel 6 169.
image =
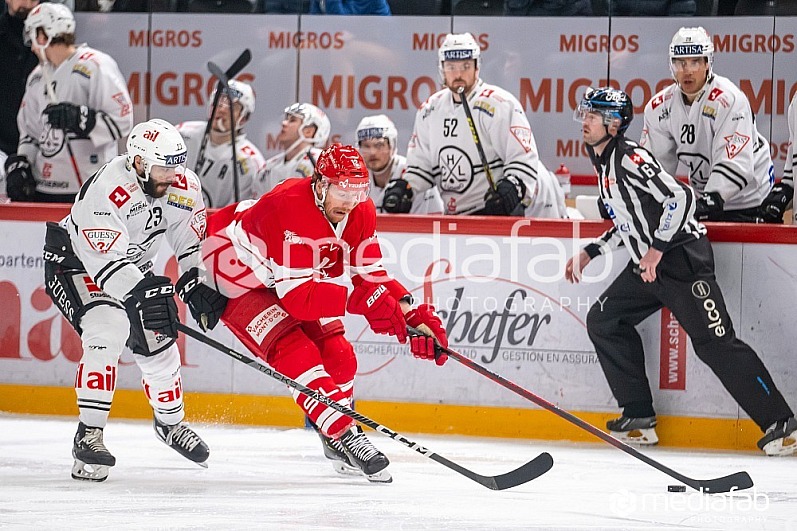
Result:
pixel 77 119
pixel 776 203
pixel 205 303
pixel 506 199
pixel 153 298
pixel 398 197
pixel 709 203
pixel 20 183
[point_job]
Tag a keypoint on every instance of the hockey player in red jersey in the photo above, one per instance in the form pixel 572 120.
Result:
pixel 298 241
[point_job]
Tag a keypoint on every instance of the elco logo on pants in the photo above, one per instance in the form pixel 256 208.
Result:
pixel 701 290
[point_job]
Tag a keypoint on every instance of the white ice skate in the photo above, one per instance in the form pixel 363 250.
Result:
pixel 780 438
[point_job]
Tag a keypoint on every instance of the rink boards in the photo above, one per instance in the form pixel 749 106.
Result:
pixel 499 288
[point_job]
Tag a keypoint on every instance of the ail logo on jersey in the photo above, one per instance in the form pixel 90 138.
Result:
pixel 199 223
pixel 735 143
pixel 119 196
pixel 523 136
pixel 101 240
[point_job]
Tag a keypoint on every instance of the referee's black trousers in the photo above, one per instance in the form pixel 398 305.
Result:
pixel 685 283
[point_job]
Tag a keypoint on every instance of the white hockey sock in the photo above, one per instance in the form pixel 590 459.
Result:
pixel 162 384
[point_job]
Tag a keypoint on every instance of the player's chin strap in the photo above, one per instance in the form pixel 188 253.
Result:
pixel 733 482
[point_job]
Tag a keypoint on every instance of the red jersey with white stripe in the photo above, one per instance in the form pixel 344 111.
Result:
pixel 287 243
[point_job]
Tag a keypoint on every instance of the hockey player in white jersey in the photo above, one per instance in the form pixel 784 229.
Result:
pixel 442 151
pixel 216 174
pixel 377 142
pixel 705 122
pixel 75 109
pixel 98 263
pixel 304 133
pixel 781 198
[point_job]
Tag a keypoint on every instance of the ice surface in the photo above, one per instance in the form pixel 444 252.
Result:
pixel 263 478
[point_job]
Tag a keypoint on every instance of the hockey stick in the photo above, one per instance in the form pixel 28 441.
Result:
pixel 223 78
pixel 54 100
pixel 475 134
pixel 520 209
pixel 531 470
pixel 733 482
pixel 231 72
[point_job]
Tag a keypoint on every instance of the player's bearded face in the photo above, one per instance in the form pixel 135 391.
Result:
pixel 339 202
pixel 460 74
pixel 161 177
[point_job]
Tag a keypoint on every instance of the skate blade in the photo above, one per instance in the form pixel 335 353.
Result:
pixel 345 470
pixel 782 447
pixel 383 476
pixel 642 437
pixel 89 472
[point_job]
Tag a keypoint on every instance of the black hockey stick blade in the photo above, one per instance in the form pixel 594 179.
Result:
pixel 531 470
pixel 733 482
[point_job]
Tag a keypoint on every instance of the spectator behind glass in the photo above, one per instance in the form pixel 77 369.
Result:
pixel 548 8
pixel 646 8
pixel 17 61
pixel 350 7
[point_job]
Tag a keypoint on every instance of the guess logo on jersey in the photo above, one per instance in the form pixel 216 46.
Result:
pixel 735 143
pixel 119 196
pixel 101 240
pixel 523 136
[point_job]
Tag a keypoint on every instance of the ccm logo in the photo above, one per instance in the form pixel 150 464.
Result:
pixel 159 292
pixel 375 295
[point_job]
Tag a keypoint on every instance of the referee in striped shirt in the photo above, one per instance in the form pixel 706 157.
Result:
pixel 671 265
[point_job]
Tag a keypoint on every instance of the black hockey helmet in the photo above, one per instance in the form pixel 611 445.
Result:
pixel 610 102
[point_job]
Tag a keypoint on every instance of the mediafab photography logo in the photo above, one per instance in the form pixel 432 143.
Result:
pixel 697 507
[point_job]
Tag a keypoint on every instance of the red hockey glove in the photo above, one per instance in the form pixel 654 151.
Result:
pixel 425 319
pixel 381 309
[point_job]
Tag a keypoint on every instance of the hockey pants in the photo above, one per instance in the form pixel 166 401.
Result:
pixel 685 283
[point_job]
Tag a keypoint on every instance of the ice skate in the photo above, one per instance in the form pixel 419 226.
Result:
pixel 185 441
pixel 780 438
pixel 92 458
pixel 333 451
pixel 364 455
pixel 638 431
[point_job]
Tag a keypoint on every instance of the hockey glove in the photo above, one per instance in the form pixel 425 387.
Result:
pixel 20 183
pixel 776 203
pixel 710 203
pixel 426 319
pixel 206 304
pixel 153 298
pixel 380 308
pixel 77 119
pixel 398 197
pixel 506 199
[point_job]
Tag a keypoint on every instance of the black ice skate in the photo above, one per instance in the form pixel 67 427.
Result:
pixel 185 441
pixel 639 431
pixel 333 451
pixel 780 438
pixel 364 455
pixel 92 458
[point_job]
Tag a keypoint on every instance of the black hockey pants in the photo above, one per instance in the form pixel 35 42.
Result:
pixel 685 284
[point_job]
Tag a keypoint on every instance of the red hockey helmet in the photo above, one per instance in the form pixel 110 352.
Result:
pixel 341 169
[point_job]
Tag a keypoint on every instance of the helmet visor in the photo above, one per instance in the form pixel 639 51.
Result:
pixel 348 194
pixel 585 112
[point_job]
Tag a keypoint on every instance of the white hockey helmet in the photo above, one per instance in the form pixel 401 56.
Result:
pixel 378 126
pixel 158 143
pixel 692 42
pixel 54 19
pixel 239 92
pixel 311 115
pixel 458 47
